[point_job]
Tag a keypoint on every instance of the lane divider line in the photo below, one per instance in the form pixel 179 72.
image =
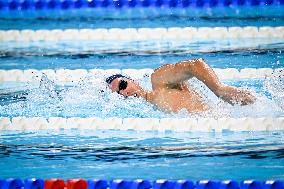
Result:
pixel 144 124
pixel 173 33
pixel 65 75
pixel 128 4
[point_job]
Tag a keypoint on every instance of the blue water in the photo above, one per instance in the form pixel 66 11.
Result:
pixel 128 154
pixel 112 154
pixel 147 155
pixel 246 53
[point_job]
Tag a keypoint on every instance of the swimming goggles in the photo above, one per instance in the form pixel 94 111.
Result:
pixel 122 85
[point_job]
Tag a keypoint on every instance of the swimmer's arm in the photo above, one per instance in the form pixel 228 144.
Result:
pixel 184 70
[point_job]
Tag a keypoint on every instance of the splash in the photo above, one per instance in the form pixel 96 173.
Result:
pixel 92 98
pixel 275 86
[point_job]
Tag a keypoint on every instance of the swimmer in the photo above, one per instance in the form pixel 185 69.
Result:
pixel 170 92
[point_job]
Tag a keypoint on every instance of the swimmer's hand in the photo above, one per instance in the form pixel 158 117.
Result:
pixel 234 95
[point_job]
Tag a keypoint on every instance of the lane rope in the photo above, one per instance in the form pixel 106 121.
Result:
pixel 144 124
pixel 65 75
pixel 117 4
pixel 31 183
pixel 173 33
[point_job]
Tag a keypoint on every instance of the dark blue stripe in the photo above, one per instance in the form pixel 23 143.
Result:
pixel 76 4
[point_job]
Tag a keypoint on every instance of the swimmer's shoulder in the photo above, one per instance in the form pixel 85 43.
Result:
pixel 161 67
pixel 155 76
pixel 159 80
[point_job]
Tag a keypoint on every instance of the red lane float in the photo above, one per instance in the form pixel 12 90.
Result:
pixel 54 184
pixel 77 184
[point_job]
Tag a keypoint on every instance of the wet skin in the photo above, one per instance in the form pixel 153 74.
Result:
pixel 170 92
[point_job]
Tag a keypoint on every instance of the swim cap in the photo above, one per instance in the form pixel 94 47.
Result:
pixel 113 77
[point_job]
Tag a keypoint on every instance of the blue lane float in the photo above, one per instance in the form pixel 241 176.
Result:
pixel 251 184
pixel 230 184
pixel 136 184
pixel 141 184
pixel 34 184
pixel 12 184
pixel 97 184
pixel 273 185
pixel 76 4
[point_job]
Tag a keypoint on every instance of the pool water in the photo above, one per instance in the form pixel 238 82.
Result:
pixel 110 154
pixel 225 53
pixel 148 155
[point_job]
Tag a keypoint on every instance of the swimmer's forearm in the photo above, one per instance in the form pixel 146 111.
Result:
pixel 203 72
pixel 232 95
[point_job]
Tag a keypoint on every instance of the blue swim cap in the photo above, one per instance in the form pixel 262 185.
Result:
pixel 113 77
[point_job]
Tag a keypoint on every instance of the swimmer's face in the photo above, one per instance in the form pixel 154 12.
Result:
pixel 125 87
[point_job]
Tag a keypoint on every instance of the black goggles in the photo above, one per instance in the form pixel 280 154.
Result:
pixel 122 85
